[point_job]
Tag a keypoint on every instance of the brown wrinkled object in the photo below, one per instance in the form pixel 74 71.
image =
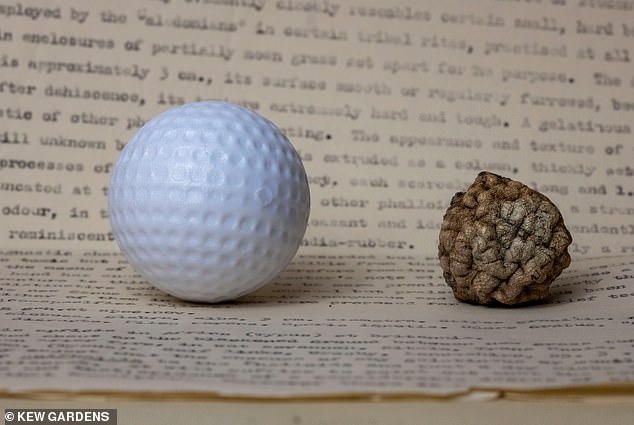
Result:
pixel 502 242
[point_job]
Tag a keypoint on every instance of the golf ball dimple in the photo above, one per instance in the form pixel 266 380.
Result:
pixel 209 201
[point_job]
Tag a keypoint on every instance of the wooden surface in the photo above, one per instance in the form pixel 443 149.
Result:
pixel 604 410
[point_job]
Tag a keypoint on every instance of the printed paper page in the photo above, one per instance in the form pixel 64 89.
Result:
pixel 394 107
pixel 330 325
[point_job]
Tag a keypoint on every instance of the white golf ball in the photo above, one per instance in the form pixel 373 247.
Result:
pixel 209 201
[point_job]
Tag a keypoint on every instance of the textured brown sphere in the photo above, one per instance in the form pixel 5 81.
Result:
pixel 502 242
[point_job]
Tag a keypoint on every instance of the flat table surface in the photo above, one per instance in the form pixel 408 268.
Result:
pixel 603 410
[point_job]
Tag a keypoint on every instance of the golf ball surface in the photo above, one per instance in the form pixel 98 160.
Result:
pixel 209 201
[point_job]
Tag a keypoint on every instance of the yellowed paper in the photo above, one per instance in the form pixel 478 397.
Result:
pixel 363 325
pixel 394 107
